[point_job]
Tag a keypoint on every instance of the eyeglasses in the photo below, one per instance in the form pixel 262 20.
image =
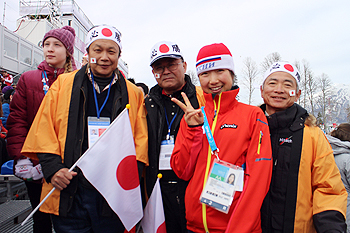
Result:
pixel 172 67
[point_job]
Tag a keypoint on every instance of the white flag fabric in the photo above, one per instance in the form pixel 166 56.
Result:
pixel 110 166
pixel 154 220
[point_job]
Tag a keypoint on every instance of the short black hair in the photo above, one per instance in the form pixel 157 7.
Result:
pixel 144 87
pixel 131 80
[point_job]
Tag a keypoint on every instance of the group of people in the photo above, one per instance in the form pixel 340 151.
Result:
pixel 285 178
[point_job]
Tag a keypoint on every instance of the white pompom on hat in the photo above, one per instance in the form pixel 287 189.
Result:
pixel 214 57
pixel 283 67
pixel 165 49
pixel 103 32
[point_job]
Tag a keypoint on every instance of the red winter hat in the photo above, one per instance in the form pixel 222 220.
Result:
pixel 65 34
pixel 214 57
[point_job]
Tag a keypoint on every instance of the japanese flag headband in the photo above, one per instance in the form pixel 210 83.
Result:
pixel 284 67
pixel 103 32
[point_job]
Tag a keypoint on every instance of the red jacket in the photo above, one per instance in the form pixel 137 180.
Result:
pixel 3 130
pixel 24 105
pixel 237 133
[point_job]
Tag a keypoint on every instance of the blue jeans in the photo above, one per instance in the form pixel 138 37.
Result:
pixel 85 215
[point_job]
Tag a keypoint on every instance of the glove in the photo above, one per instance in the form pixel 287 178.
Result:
pixel 23 169
pixel 36 172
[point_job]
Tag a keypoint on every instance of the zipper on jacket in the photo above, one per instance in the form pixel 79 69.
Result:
pixel 259 142
pixel 204 207
pixel 55 74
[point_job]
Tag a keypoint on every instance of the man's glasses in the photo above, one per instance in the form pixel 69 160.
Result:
pixel 172 67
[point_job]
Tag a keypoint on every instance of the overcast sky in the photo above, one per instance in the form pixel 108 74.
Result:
pixel 317 31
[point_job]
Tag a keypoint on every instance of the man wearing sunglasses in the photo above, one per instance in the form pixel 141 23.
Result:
pixel 168 68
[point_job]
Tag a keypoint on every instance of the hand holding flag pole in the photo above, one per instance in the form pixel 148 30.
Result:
pixel 118 147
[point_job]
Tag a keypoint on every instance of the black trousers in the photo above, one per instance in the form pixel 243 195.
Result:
pixel 42 221
pixel 4 156
pixel 173 195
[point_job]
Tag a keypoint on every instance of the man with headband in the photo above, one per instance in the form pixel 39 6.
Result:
pixel 306 192
pixel 168 68
pixel 63 127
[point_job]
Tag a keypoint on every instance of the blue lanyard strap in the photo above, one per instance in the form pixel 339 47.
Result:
pixel 208 132
pixel 167 122
pixel 99 110
pixel 44 79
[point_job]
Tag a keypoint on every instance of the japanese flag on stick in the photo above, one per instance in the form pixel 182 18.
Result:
pixel 154 220
pixel 110 166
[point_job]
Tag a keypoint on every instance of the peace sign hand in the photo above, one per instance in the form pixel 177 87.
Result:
pixel 192 116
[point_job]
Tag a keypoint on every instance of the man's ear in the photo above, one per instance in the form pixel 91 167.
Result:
pixel 297 95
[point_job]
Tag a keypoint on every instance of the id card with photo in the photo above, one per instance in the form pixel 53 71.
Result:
pixel 96 126
pixel 223 181
pixel 166 149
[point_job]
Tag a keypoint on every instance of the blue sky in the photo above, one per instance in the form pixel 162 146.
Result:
pixel 317 31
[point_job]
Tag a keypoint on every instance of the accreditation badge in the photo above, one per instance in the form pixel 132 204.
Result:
pixel 166 149
pixel 223 181
pixel 96 126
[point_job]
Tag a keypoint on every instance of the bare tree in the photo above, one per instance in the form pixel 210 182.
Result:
pixel 269 60
pixel 325 86
pixel 194 77
pixel 250 73
pixel 308 85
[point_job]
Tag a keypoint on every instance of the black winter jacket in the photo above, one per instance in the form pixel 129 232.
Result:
pixel 156 125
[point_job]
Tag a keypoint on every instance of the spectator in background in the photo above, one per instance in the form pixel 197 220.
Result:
pixel 8 92
pixel 84 60
pixel 3 132
pixel 2 79
pixel 58 47
pixel 144 88
pixel 339 139
pixel 131 80
pixel 8 78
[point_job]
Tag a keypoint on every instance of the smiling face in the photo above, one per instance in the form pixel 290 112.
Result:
pixel 170 81
pixel 216 81
pixel 55 52
pixel 276 92
pixel 106 52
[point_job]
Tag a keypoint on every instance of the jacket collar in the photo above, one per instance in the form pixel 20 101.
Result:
pixel 50 71
pixel 292 118
pixel 188 88
pixel 228 100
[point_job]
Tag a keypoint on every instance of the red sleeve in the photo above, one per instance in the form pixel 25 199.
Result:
pixel 17 124
pixel 3 130
pixel 258 173
pixel 187 147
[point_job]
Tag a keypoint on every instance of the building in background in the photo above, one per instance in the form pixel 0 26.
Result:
pixel 22 48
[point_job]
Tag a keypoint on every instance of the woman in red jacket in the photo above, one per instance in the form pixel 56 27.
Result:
pixel 58 47
pixel 236 141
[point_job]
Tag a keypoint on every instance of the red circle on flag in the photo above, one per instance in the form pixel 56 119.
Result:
pixel 106 32
pixel 127 173
pixel 163 48
pixel 289 67
pixel 161 228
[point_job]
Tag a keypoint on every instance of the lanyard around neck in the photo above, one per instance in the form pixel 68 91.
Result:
pixel 99 110
pixel 45 80
pixel 211 150
pixel 169 124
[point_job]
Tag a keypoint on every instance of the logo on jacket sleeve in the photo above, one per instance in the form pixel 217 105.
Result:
pixel 232 126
